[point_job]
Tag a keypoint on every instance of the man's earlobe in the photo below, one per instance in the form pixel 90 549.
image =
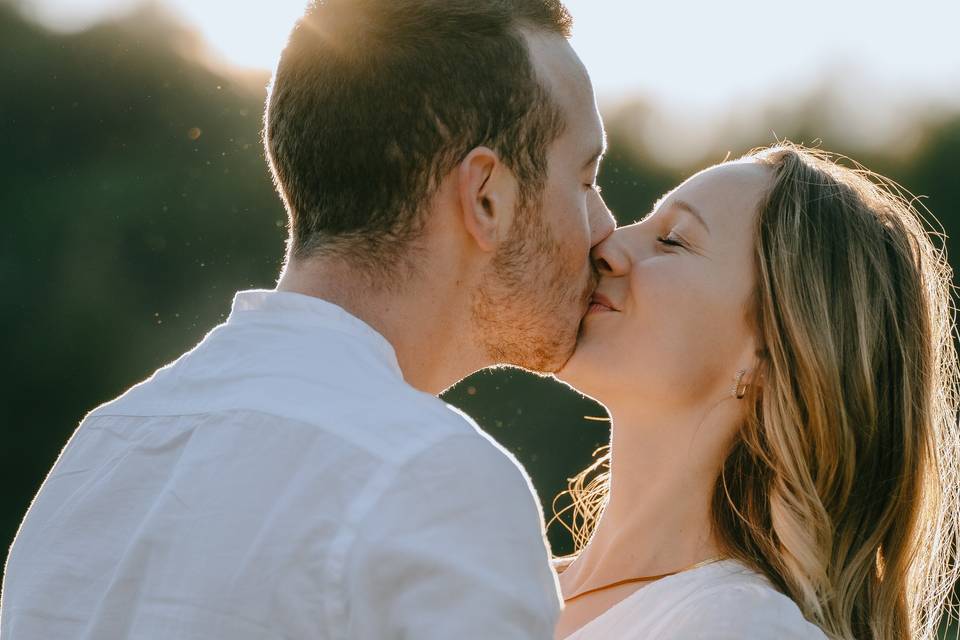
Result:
pixel 479 197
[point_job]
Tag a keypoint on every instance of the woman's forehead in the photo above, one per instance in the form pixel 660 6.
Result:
pixel 726 189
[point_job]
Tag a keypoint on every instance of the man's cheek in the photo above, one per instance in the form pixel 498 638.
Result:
pixel 577 252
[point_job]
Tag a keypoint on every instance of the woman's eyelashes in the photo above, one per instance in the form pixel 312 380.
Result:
pixel 671 240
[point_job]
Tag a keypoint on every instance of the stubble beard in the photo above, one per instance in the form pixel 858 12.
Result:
pixel 527 308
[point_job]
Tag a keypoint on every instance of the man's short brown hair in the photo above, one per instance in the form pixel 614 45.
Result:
pixel 374 102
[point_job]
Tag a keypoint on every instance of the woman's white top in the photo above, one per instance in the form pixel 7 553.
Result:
pixel 720 601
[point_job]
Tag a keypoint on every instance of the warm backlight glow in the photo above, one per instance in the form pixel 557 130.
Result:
pixel 686 52
pixel 705 67
pixel 249 34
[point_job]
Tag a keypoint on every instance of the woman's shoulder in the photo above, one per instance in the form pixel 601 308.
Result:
pixel 728 600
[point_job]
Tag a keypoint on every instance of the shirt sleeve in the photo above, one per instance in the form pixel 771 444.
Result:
pixel 454 548
pixel 739 612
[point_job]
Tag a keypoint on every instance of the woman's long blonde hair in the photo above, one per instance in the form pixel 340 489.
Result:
pixel 843 485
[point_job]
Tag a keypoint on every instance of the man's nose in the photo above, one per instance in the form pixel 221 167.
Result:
pixel 602 223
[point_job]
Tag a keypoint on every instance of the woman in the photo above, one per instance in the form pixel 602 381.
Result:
pixel 775 346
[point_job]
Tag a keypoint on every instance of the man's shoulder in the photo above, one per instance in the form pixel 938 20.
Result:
pixel 414 409
pixel 460 476
pixel 338 387
pixel 468 461
pixel 385 417
pixel 418 424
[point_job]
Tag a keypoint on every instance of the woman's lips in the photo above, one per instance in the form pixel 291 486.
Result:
pixel 599 303
pixel 596 307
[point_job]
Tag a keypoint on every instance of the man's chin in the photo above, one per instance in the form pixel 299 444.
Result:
pixel 547 367
pixel 544 351
pixel 549 362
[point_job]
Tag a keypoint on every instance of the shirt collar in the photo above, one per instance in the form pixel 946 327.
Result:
pixel 315 312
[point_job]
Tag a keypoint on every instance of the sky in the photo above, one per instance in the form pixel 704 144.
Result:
pixel 691 58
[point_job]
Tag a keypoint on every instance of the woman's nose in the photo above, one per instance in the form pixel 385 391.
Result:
pixel 610 256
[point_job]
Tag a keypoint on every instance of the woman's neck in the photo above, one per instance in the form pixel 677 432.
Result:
pixel 663 475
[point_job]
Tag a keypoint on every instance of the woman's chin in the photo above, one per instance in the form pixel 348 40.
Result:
pixel 595 370
pixel 576 371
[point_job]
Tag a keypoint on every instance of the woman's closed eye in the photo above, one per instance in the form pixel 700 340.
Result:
pixel 671 240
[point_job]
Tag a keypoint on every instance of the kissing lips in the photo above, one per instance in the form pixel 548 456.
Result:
pixel 599 303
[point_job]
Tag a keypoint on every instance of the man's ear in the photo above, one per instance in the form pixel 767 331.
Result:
pixel 486 197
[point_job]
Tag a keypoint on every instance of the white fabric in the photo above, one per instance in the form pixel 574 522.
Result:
pixel 720 601
pixel 281 481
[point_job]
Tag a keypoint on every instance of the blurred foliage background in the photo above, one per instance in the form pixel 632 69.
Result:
pixel 135 201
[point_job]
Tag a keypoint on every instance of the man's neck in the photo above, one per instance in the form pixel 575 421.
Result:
pixel 427 322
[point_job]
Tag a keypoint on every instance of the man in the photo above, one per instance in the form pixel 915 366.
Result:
pixel 294 475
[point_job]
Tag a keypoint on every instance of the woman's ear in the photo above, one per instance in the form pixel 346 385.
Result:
pixel 485 197
pixel 744 380
pixel 750 372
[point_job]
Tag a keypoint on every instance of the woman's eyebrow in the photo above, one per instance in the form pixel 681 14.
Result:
pixel 692 210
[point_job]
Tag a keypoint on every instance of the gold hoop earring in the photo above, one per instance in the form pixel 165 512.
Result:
pixel 739 389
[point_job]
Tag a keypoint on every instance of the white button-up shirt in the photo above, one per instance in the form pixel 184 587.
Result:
pixel 281 481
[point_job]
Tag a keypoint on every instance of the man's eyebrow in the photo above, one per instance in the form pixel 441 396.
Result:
pixel 593 158
pixel 692 210
pixel 598 154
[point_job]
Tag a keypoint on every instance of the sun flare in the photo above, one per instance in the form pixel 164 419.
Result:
pixel 247 34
